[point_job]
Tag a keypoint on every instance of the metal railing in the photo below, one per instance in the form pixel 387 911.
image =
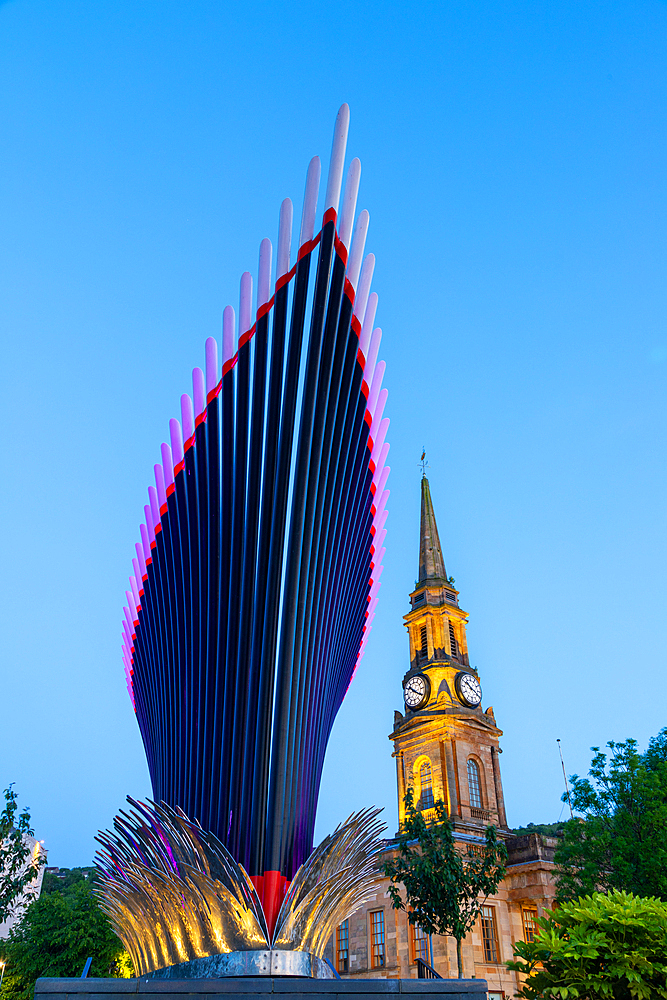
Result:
pixel 426 971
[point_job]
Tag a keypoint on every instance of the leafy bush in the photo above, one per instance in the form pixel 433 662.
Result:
pixel 598 947
pixel 59 931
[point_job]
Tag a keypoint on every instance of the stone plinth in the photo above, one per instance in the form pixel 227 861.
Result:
pixel 249 987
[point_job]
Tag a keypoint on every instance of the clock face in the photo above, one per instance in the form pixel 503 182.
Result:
pixel 468 689
pixel 416 691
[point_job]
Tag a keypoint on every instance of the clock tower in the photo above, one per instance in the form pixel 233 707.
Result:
pixel 445 743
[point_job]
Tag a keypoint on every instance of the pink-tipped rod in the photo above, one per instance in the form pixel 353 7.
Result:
pixel 154 501
pixel 132 605
pixel 141 560
pixel 371 357
pixel 376 385
pixel 176 436
pixel 378 539
pixel 228 337
pixel 379 507
pixel 367 325
pixel 380 520
pixel 379 440
pixel 161 492
pixel 245 307
pixel 187 417
pixel 137 581
pixel 284 239
pixel 382 480
pixel 364 287
pixel 357 249
pixel 127 631
pixel 145 541
pixel 338 147
pixel 349 205
pixel 130 623
pixel 198 391
pixel 264 273
pixel 377 416
pixel 384 451
pixel 379 558
pixel 167 465
pixel 212 370
pixel 310 201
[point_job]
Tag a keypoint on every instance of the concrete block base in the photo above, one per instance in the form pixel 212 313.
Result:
pixel 257 987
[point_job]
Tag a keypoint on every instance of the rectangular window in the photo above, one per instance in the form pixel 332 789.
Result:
pixel 489 934
pixel 450 597
pixel 418 944
pixel 529 914
pixel 419 598
pixel 377 939
pixel 343 946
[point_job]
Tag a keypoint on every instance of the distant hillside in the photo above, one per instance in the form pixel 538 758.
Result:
pixel 546 829
pixel 62 879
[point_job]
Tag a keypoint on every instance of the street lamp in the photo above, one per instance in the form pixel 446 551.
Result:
pixel 2 972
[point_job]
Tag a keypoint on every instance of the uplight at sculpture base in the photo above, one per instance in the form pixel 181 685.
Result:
pixel 184 908
pixel 250 963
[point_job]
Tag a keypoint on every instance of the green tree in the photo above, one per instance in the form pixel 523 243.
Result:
pixel 58 932
pixel 445 889
pixel 18 865
pixel 621 842
pixel 599 947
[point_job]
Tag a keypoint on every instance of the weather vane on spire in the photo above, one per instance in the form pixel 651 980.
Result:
pixel 423 462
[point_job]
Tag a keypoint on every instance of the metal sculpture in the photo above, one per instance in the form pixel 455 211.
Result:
pixel 256 579
pixel 174 894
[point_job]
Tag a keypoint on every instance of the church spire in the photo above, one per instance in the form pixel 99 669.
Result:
pixel 431 562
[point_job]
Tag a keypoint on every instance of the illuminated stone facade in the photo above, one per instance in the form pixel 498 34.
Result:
pixel 32 891
pixel 446 747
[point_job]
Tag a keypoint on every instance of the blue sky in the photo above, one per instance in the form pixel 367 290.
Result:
pixel 514 159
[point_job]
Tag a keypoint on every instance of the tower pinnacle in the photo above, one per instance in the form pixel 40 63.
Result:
pixel 431 562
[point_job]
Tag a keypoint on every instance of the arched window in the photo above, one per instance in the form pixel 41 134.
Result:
pixel 426 786
pixel 452 641
pixel 474 786
pixel 423 638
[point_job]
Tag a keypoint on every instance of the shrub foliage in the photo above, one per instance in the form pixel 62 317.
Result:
pixel 598 947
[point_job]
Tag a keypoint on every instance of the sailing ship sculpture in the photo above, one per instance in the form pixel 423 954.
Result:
pixel 254 587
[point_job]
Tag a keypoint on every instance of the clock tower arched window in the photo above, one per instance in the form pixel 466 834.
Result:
pixel 474 785
pixel 423 638
pixel 426 786
pixel 452 640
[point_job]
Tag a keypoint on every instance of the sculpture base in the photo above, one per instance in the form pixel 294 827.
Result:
pixel 257 988
pixel 249 963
